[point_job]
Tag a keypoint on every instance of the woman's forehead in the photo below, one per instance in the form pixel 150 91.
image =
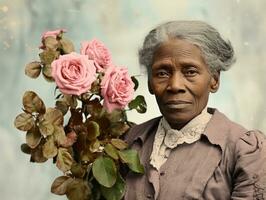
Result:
pixel 178 49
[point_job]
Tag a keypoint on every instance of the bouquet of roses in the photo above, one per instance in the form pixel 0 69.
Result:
pixel 82 133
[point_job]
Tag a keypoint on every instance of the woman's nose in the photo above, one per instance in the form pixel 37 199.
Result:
pixel 176 83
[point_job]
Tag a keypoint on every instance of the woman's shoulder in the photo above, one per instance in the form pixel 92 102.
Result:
pixel 141 130
pixel 246 151
pixel 222 129
pixel 250 164
pixel 252 143
pixel 233 136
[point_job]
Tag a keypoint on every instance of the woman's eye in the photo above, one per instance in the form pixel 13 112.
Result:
pixel 191 73
pixel 162 74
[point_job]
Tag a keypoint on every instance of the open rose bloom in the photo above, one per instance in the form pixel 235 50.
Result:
pixel 86 145
pixel 97 51
pixel 73 73
pixel 117 88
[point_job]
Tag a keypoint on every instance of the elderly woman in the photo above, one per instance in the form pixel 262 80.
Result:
pixel 192 152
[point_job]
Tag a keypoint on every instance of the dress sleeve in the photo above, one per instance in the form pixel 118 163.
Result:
pixel 249 176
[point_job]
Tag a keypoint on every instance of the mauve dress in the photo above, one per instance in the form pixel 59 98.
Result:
pixel 228 162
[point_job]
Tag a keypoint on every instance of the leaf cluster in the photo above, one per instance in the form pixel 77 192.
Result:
pixel 52 48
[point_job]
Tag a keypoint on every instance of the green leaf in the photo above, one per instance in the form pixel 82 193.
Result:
pixel 48 56
pixel 33 69
pixel 96 191
pixel 104 171
pixel 37 154
pixel 86 156
pixel 95 146
pixel 111 151
pixel 25 148
pixel 33 137
pixel 78 170
pixel 70 100
pixel 49 148
pixel 33 103
pixel 115 116
pixel 59 135
pixel 64 160
pixel 119 128
pixel 24 122
pixel 51 43
pixel 131 157
pixel 67 45
pixel 51 119
pixel 46 128
pixel 78 189
pixel 76 118
pixel 135 81
pixel 60 185
pixel 47 73
pixel 94 108
pixel 53 116
pixel 62 106
pixel 116 192
pixel 93 129
pixel 139 104
pixel 119 144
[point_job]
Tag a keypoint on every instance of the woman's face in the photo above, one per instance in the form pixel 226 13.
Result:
pixel 181 81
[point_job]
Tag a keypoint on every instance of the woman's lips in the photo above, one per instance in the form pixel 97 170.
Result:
pixel 177 104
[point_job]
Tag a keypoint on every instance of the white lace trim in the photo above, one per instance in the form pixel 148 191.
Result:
pixel 167 138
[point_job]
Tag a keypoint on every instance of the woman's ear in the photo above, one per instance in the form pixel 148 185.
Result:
pixel 215 82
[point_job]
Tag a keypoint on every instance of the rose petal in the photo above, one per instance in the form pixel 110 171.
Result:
pixel 73 73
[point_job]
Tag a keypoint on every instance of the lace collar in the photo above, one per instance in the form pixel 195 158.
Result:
pixel 189 133
pixel 167 138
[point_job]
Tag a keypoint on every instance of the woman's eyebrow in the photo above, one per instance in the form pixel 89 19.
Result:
pixel 162 62
pixel 160 66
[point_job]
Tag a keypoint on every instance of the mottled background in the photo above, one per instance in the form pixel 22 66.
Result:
pixel 122 25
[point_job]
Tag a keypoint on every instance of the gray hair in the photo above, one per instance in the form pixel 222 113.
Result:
pixel 217 53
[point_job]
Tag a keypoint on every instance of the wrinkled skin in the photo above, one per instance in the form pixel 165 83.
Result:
pixel 181 81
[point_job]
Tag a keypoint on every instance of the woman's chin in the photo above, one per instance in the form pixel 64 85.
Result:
pixel 178 121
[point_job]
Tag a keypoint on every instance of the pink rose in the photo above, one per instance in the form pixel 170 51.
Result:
pixel 117 88
pixel 53 34
pixel 96 51
pixel 73 73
